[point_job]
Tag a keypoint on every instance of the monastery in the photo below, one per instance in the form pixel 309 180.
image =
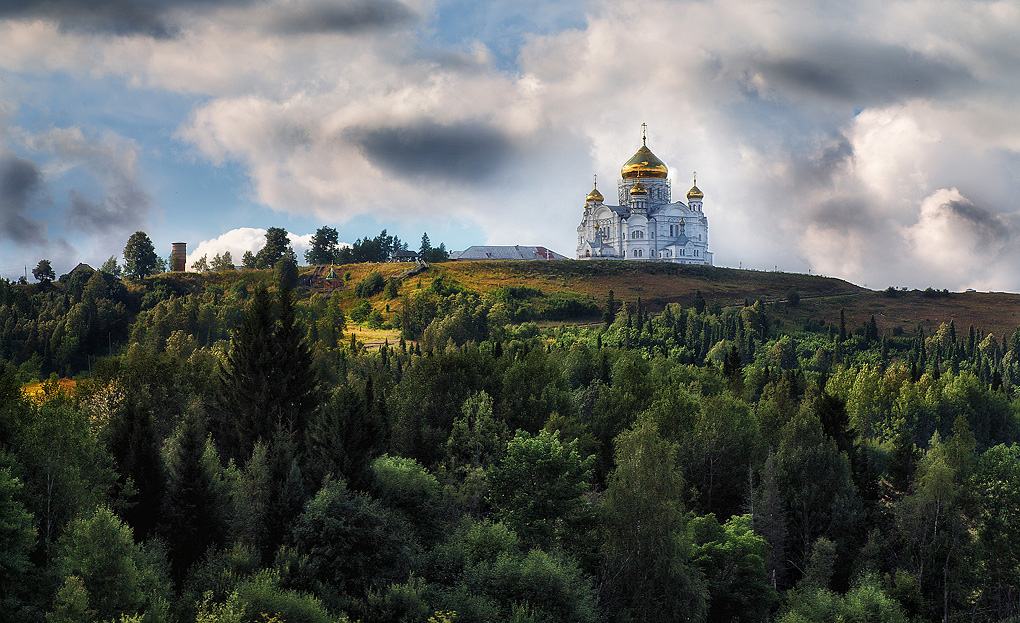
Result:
pixel 647 225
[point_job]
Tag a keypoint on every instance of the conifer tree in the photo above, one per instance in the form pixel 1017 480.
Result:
pixel 610 312
pixel 297 386
pixel 193 509
pixel 247 389
pixel 132 442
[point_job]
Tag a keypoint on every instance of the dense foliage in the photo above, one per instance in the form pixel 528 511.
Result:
pixel 230 453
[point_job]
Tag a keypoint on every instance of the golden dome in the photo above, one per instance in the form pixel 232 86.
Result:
pixel 695 192
pixel 639 189
pixel 595 196
pixel 644 164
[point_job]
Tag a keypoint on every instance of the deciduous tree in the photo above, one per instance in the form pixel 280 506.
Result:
pixel 222 262
pixel 538 488
pixel 325 247
pixel 100 549
pixel 43 273
pixel 277 246
pixel 646 574
pixel 140 259
pixel 201 265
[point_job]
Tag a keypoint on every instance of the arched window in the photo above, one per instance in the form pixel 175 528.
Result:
pixel 587 253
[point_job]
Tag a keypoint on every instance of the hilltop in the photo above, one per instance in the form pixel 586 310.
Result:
pixel 821 298
pixel 575 292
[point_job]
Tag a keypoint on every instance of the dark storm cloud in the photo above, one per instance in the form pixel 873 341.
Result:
pixel 345 17
pixel 821 167
pixel 864 73
pixel 158 18
pixel 462 153
pixel 120 17
pixel 121 208
pixel 20 181
pixel 991 226
pixel 848 213
pixel 118 200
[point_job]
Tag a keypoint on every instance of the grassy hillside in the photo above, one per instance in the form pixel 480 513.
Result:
pixel 821 298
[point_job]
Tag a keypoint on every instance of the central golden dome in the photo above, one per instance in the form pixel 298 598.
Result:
pixel 644 164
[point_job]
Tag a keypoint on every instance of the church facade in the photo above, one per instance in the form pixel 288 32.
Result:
pixel 646 225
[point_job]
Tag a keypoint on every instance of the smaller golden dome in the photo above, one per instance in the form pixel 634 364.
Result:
pixel 639 189
pixel 595 196
pixel 695 192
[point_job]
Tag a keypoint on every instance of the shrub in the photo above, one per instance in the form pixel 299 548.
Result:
pixel 360 312
pixel 373 283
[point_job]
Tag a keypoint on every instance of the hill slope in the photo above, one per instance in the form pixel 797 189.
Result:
pixel 821 298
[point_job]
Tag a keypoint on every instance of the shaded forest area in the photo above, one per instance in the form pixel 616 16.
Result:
pixel 231 453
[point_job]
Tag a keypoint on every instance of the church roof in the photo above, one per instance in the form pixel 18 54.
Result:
pixel 515 252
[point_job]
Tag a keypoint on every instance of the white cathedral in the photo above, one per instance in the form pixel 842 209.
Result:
pixel 646 226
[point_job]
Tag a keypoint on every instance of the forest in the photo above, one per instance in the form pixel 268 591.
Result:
pixel 232 452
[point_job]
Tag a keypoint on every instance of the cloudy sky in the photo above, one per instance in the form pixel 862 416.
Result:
pixel 873 140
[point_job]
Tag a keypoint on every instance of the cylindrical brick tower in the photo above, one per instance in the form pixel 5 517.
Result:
pixel 180 257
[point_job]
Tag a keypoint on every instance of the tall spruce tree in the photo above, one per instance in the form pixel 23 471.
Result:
pixel 296 393
pixel 247 387
pixel 132 442
pixel 426 245
pixel 268 384
pixel 193 508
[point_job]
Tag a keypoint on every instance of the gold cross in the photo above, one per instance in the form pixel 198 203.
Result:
pixel 596 180
pixel 644 134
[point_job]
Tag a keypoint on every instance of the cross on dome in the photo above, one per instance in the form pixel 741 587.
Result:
pixel 644 164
